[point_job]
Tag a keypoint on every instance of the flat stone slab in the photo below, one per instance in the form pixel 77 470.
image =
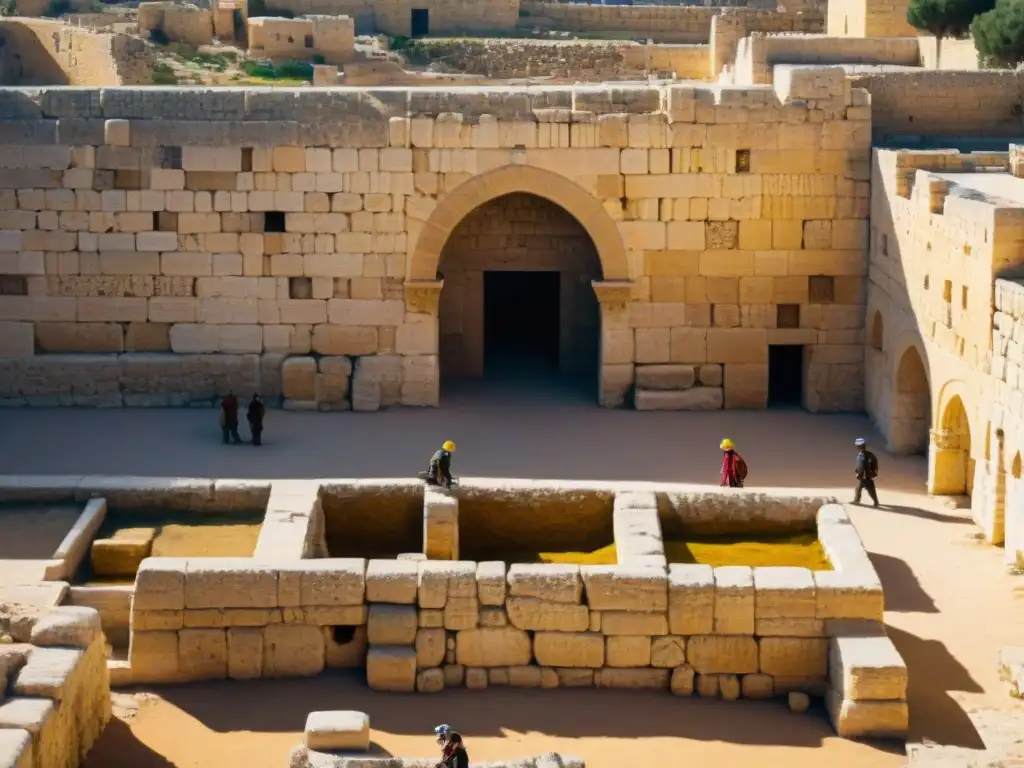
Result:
pixel 338 730
pixel 867 669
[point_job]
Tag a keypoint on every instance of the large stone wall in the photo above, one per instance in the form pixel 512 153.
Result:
pixel 42 52
pixel 869 18
pixel 172 242
pixel 330 37
pixel 394 17
pixel 186 24
pixel 1008 416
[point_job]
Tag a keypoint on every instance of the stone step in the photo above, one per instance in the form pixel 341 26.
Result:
pixel 696 399
pixel 867 669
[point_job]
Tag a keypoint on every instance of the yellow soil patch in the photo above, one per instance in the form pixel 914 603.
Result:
pixel 234 540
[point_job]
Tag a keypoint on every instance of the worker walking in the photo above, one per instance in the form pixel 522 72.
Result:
pixel 229 419
pixel 734 468
pixel 866 471
pixel 254 415
pixel 439 471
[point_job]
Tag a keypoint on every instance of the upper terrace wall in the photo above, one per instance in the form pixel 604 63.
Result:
pixel 394 17
pixel 869 18
pixel 43 52
pixel 759 53
pixel 181 23
pixel 331 37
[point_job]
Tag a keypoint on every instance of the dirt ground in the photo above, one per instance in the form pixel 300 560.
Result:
pixel 34 533
pixel 950 604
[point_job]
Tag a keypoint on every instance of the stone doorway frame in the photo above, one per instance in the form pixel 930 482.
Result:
pixel 423 288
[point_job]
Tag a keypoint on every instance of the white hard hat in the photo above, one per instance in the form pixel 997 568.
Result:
pixel 860 441
pixel 442 730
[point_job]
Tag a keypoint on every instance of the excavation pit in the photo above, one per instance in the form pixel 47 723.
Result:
pixel 34 531
pixel 373 520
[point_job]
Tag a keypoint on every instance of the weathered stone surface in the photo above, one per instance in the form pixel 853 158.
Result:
pixel 691 599
pixel 160 584
pixel 665 377
pixel 644 678
pixel 202 654
pixel 681 682
pixel 322 582
pixel 569 649
pixel 722 654
pixel 391 668
pixel 794 656
pixel 392 624
pixel 461 613
pixel 430 680
pixel 848 595
pixel 627 651
pixel 695 399
pixel 757 686
pixel 784 593
pixel 707 686
pixel 392 581
pixel 154 656
pixel 668 652
pixel 229 582
pixel 68 626
pixel 626 588
pixel 629 623
pixel 546 581
pixel 293 651
pixel 729 687
pixel 430 647
pixel 862 719
pixel 491 583
pixel 734 600
pixel 245 652
pixel 539 615
pixel 493 647
pixel 338 730
pixel 866 668
pixel 439 580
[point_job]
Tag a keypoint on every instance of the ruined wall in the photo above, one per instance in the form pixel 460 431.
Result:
pixel 43 52
pixel 928 102
pixel 951 54
pixel 181 23
pixel 1008 410
pixel 332 37
pixel 229 227
pixel 36 8
pixel 394 17
pixel 687 62
pixel 869 18
pixel 663 23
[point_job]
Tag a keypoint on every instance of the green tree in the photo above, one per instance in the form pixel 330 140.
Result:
pixel 999 34
pixel 946 18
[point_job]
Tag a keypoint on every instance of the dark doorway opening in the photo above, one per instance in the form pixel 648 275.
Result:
pixel 785 374
pixel 521 322
pixel 420 22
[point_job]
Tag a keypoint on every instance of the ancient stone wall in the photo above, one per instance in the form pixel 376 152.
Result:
pixel 331 37
pixel 951 54
pixel 937 246
pixel 42 52
pixel 181 23
pixel 1007 367
pixel 394 17
pixel 727 222
pixel 869 18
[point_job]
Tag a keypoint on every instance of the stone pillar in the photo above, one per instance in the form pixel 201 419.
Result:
pixel 440 524
pixel 421 372
pixel 616 369
pixel 991 507
pixel 947 464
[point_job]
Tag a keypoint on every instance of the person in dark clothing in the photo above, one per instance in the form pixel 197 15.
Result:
pixel 229 419
pixel 866 471
pixel 455 755
pixel 439 471
pixel 254 415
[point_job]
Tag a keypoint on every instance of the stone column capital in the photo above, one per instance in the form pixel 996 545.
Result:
pixel 422 296
pixel 613 295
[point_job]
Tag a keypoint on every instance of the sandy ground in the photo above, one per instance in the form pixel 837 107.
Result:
pixel 951 606
pixel 34 533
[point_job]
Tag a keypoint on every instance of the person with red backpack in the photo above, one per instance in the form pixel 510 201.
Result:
pixel 734 468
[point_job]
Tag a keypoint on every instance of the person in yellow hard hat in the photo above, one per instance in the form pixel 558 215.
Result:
pixel 734 468
pixel 439 471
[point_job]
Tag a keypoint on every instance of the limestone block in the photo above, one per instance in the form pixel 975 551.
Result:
pixel 862 668
pixel 548 678
pixel 757 686
pixel 546 581
pixel 631 623
pixel 570 677
pixel 69 626
pixel 783 593
pixel 293 650
pixel 298 378
pixel 848 595
pixel 113 557
pixel 493 617
pixel 626 588
pixel 734 601
pixel 160 584
pixel 440 524
pixel 430 647
pixel 691 599
pixel 637 679
pixel 627 651
pixel 569 649
pixel 695 399
pixel 391 668
pixel 864 719
pixel 794 656
pixel 430 680
pixel 789 628
pixel 722 654
pixel 439 579
pixel 707 686
pixel 527 676
pixel 665 377
pixel 229 582
pixel 431 618
pixel 154 656
pixel 798 702
pixel 338 730
pixel 493 647
pixel 538 615
pixel 392 581
pixel 497 676
pixel 323 616
pixel 454 675
pixel 710 375
pixel 392 624
pixel 668 652
pixel 461 613
pixel 681 682
pixel 476 679
pixel 325 581
pixel 245 652
pixel 202 654
pixel 17 339
pixel 637 530
pixel 729 687
pixel 32 715
pixel 491 583
pixel 746 384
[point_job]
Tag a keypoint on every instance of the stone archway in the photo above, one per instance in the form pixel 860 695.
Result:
pixel 911 405
pixel 951 467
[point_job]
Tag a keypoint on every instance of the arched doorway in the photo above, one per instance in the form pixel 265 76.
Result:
pixel 953 472
pixel 518 303
pixel 911 411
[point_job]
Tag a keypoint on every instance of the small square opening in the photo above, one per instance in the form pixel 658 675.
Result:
pixel 273 221
pixel 742 161
pixel 300 287
pixel 787 316
pixel 246 159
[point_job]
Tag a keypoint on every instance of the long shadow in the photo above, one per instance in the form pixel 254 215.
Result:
pixel 118 746
pixel 903 592
pixel 229 706
pixel 933 672
pixel 926 514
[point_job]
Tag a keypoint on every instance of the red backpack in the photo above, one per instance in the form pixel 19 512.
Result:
pixel 741 468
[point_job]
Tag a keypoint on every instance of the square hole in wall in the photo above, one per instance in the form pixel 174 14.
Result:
pixel 13 285
pixel 166 221
pixel 273 221
pixel 787 316
pixel 947 290
pixel 822 289
pixel 742 161
pixel 307 41
pixel 885 245
pixel 300 287
pixel 246 159
pixel 170 158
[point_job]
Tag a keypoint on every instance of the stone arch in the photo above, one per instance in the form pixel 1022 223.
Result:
pixel 877 331
pixel 911 409
pixel 580 204
pixel 952 470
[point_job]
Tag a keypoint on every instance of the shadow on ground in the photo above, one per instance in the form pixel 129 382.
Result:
pixel 903 592
pixel 118 746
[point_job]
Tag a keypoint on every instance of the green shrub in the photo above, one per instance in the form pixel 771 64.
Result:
pixel 164 75
pixel 286 70
pixel 9 8
pixel 318 59
pixel 295 70
pixel 946 18
pixel 159 37
pixel 398 43
pixel 999 34
pixel 57 8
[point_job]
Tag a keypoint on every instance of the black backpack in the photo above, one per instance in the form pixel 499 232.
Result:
pixel 871 465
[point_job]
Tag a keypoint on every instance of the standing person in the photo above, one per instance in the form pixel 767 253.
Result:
pixel 453 753
pixel 439 471
pixel 254 415
pixel 866 471
pixel 229 418
pixel 734 468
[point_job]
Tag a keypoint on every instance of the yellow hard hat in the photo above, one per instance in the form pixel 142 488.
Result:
pixel 448 445
pixel 726 445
